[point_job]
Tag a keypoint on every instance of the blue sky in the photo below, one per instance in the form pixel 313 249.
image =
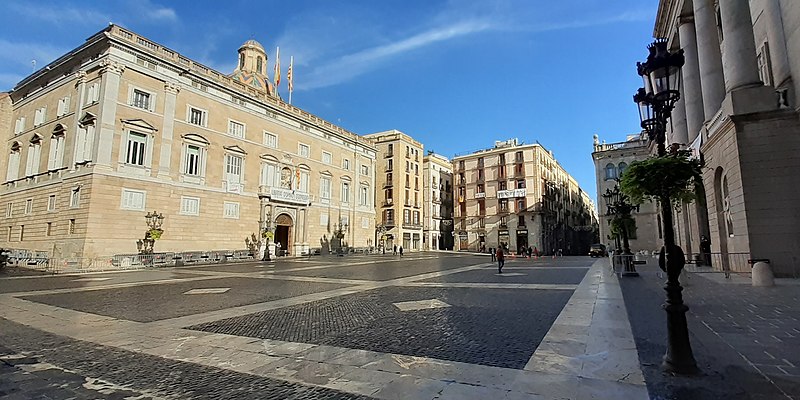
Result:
pixel 455 75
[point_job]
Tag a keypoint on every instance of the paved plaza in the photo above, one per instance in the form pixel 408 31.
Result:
pixel 424 326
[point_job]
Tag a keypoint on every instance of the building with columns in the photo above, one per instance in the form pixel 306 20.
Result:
pixel 610 161
pixel 400 175
pixel 122 125
pixel 739 111
pixel 518 195
pixel 438 202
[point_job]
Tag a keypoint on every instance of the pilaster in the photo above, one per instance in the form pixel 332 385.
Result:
pixel 111 72
pixel 171 92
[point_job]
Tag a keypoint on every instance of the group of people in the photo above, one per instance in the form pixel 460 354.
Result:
pixel 498 254
pixel 395 249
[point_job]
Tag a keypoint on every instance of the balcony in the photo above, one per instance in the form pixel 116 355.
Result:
pixel 388 223
pixel 388 203
pixel 519 173
pixel 387 184
pixel 387 154
pixel 409 225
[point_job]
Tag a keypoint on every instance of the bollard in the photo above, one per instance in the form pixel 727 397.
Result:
pixel 762 274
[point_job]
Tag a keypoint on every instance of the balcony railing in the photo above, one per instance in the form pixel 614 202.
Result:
pixel 387 184
pixel 411 225
pixel 388 223
pixel 388 203
pixel 387 154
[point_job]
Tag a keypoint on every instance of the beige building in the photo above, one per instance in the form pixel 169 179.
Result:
pixel 438 202
pixel 610 160
pixel 518 195
pixel 739 110
pixel 122 125
pixel 400 205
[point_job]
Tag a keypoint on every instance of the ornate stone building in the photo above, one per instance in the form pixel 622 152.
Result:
pixel 519 195
pixel 438 202
pixel 739 111
pixel 610 160
pixel 400 205
pixel 122 125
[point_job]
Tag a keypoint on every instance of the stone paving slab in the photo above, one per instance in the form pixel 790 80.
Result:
pixel 145 303
pixel 27 283
pixel 569 276
pixel 386 271
pixel 496 327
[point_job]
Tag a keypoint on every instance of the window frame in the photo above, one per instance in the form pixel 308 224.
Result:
pixel 225 208
pixel 300 147
pixel 203 112
pixel 126 204
pixel 267 135
pixel 232 123
pixel 151 98
pixel 186 211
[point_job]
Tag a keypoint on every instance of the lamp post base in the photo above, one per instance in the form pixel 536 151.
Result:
pixel 679 358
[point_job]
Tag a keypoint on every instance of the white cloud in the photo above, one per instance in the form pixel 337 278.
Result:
pixel 59 15
pixel 349 66
pixel 21 54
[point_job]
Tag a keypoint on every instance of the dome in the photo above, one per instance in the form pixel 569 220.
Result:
pixel 252 44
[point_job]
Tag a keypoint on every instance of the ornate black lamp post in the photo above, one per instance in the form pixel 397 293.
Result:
pixel 381 233
pixel 154 221
pixel 618 205
pixel 661 76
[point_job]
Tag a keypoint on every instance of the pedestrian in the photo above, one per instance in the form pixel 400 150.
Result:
pixel 705 249
pixel 278 248
pixel 394 250
pixel 535 252
pixel 401 250
pixel 491 251
pixel 500 260
pixel 530 252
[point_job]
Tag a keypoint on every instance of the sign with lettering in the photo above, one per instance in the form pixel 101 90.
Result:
pixel 511 193
pixel 289 196
pixel 480 195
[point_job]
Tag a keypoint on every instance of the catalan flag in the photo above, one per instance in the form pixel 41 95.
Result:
pixel 277 68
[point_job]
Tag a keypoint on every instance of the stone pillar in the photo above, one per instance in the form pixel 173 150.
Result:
pixel 171 92
pixel 679 134
pixel 777 42
pixel 692 93
pixel 738 45
pixel 709 59
pixel 111 72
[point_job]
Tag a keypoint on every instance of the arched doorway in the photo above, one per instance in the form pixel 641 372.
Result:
pixel 283 234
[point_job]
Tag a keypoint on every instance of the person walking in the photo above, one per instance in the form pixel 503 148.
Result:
pixel 491 251
pixel 401 250
pixel 530 252
pixel 500 260
pixel 394 250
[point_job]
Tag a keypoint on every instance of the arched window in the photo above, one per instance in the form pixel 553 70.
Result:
pixel 621 168
pixel 57 140
pixel 611 171
pixel 259 65
pixel 34 155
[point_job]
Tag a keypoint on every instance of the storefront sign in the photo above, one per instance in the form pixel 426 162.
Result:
pixel 480 195
pixel 511 193
pixel 522 231
pixel 289 196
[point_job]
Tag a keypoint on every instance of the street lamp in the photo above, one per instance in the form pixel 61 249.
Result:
pixel 618 205
pixel 267 234
pixel 381 230
pixel 661 77
pixel 154 221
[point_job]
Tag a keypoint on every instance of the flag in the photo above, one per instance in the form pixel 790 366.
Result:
pixel 289 74
pixel 277 67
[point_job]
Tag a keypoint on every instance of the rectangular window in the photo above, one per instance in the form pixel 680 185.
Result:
pixel 192 160
pixel 364 222
pixel 141 99
pixel 326 157
pixel 365 170
pixel 270 140
pixel 235 129
pixel 29 207
pixel 406 216
pixel 8 234
pixel 92 93
pixel 39 116
pixel 51 202
pixel 346 164
pixel 416 217
pixel 63 106
pixel 303 150
pixel 21 233
pixel 49 229
pixel 231 210
pixel 71 228
pixel 325 187
pixel 764 64
pixel 132 199
pixel 268 177
pixel 388 217
pixel 196 117
pixel 19 126
pixel 137 143
pixel 75 198
pixel 233 168
pixel 190 205
pixel 9 209
pixel 389 165
pixel 345 192
pixel 323 219
pixel 363 198
pixel 303 186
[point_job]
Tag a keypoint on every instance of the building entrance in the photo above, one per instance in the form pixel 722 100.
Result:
pixel 283 234
pixel 522 241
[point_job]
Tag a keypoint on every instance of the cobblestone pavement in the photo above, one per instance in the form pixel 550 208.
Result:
pixel 424 326
pixel 745 339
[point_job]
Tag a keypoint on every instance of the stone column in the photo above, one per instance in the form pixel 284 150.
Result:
pixel 678 131
pixel 709 57
pixel 171 92
pixel 692 93
pixel 738 45
pixel 111 71
pixel 777 42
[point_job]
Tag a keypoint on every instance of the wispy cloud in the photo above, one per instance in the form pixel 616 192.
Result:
pixel 20 54
pixel 349 66
pixel 58 15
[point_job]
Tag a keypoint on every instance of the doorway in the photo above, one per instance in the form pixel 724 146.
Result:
pixel 283 234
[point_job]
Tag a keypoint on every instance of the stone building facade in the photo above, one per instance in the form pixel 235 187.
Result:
pixel 438 205
pixel 122 125
pixel 518 195
pixel 400 202
pixel 739 111
pixel 610 161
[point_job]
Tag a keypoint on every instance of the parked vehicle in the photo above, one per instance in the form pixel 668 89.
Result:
pixel 598 250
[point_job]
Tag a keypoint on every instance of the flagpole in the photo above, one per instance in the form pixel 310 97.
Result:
pixel 290 78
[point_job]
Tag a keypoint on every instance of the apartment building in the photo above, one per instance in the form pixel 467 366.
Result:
pixel 400 202
pixel 438 202
pixel 518 195
pixel 122 125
